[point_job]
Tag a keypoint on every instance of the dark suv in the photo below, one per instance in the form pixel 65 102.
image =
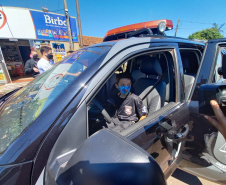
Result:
pixel 53 131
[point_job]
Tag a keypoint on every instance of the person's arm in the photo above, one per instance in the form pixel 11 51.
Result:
pixel 72 74
pixel 28 68
pixel 75 70
pixel 220 123
pixel 35 69
pixel 42 66
pixel 46 67
pixel 141 109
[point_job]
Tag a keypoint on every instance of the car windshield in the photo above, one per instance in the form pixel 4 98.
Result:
pixel 29 102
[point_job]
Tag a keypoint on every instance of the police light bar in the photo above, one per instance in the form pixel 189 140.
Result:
pixel 160 25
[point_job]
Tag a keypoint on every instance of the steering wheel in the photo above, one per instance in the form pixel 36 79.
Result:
pixel 103 111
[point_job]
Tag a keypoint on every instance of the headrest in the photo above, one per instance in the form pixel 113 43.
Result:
pixel 189 67
pixel 185 63
pixel 139 60
pixel 151 66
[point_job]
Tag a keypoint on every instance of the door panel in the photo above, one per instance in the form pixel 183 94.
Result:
pixel 164 133
pixel 204 153
pixel 158 136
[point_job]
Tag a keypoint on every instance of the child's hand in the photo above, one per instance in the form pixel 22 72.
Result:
pixel 142 117
pixel 221 123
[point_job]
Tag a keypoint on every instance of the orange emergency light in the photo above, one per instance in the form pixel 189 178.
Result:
pixel 159 25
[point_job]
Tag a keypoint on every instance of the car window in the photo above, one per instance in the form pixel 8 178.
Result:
pixel 106 97
pixel 216 77
pixel 190 60
pixel 29 102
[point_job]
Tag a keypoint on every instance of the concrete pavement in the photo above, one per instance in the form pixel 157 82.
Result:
pixel 180 177
pixel 9 87
pixel 16 83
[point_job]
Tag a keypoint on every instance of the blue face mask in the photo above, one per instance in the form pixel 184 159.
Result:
pixel 124 89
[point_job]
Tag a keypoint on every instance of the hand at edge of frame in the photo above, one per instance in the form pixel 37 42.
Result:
pixel 220 123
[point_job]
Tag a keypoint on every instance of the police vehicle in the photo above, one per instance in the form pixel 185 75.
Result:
pixel 53 131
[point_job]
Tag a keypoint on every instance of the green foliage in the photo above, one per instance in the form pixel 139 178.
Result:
pixel 207 34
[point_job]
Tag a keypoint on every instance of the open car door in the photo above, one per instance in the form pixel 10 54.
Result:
pixel 107 158
pixel 205 149
pixel 140 153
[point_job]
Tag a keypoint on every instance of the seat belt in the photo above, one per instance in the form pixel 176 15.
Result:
pixel 160 78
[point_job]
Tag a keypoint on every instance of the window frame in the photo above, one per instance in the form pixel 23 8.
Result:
pixel 173 52
pixel 219 47
pixel 197 53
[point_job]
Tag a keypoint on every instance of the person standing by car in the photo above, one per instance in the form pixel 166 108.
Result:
pixel 45 62
pixel 31 64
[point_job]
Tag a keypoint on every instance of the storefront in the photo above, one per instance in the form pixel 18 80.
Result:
pixel 23 30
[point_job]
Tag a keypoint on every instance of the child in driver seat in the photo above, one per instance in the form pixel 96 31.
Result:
pixel 129 107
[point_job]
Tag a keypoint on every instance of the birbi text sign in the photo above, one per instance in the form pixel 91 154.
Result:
pixel 53 26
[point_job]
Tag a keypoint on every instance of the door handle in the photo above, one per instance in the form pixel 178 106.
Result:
pixel 182 134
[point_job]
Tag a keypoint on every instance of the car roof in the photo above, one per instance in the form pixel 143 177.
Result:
pixel 152 39
pixel 119 45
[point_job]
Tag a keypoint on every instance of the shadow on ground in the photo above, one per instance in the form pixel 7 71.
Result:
pixel 186 177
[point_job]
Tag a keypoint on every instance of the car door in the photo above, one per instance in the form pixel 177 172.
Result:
pixel 161 135
pixel 204 153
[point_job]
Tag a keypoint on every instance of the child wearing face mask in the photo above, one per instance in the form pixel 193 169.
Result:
pixel 129 107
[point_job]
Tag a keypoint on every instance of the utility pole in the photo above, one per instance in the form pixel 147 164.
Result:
pixel 71 45
pixel 221 27
pixel 79 24
pixel 177 27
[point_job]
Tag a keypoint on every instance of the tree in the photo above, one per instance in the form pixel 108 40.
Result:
pixel 217 27
pixel 207 34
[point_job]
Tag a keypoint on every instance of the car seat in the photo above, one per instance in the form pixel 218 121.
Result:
pixel 136 73
pixel 189 76
pixel 151 89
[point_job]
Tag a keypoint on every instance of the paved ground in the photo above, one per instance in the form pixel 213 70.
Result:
pixel 9 87
pixel 16 83
pixel 181 177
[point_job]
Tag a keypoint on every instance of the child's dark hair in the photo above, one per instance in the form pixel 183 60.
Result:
pixel 123 75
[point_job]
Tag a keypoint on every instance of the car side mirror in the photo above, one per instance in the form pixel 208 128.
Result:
pixel 108 158
pixel 208 92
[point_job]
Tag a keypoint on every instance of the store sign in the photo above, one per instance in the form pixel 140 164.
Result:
pixel 57 21
pixel 29 24
pixel 50 26
pixel 3 19
pixel 16 23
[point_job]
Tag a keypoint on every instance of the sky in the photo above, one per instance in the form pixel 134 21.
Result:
pixel 99 16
